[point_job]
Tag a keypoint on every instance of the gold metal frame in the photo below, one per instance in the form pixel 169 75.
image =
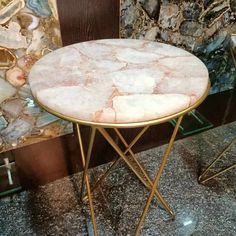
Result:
pixel 127 156
pixel 132 163
pixel 201 178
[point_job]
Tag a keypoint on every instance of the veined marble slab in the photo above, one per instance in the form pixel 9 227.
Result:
pixel 118 80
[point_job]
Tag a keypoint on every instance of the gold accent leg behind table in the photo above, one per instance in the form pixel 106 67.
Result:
pixel 201 177
pixel 85 164
pixel 158 175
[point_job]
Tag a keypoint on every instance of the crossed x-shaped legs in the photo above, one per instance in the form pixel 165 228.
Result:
pixel 132 163
pixel 202 178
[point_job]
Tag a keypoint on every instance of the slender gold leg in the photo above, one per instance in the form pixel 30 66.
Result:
pixel 201 180
pixel 149 183
pixel 117 161
pixel 90 147
pixel 86 176
pixel 218 173
pixel 158 176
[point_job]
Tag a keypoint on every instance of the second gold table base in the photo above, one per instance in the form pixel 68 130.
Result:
pixel 202 178
pixel 130 159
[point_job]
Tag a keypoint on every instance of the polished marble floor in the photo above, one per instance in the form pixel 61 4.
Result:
pixel 209 209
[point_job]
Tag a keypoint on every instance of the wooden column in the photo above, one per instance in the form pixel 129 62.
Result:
pixel 83 20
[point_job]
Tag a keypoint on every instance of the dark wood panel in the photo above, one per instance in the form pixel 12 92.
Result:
pixel 83 20
pixel 56 158
pixel 220 108
pixel 41 163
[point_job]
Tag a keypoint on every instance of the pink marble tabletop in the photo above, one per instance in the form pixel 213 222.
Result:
pixel 118 80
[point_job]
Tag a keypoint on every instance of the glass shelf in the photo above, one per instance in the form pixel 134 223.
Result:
pixel 193 122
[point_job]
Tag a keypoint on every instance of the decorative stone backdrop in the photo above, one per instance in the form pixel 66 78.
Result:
pixel 28 30
pixel 203 27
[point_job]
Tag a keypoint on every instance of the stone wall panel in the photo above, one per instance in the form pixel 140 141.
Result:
pixel 29 29
pixel 202 27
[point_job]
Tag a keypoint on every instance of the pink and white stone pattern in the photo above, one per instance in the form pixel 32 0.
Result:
pixel 118 80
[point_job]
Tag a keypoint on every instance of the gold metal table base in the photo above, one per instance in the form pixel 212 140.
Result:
pixel 201 178
pixel 130 159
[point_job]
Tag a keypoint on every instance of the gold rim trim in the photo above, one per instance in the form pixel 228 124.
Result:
pixel 131 124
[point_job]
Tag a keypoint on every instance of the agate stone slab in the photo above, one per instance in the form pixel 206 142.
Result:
pixel 118 80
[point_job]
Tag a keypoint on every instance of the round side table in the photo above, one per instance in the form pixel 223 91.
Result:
pixel 120 83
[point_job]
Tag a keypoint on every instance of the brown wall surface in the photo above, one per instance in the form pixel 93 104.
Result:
pixel 83 20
